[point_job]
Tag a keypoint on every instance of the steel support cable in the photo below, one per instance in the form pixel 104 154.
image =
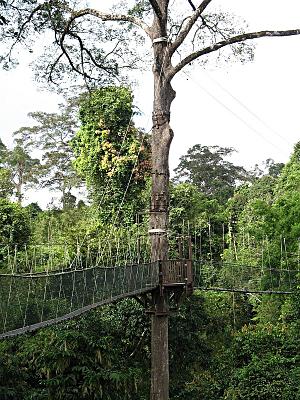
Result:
pixel 258 133
pixel 59 296
pixel 112 283
pixel 247 108
pixel 244 291
pixel 73 284
pixel 269 263
pixel 44 296
pixel 281 261
pixel 84 289
pixel 10 290
pixel 104 283
pixel 286 263
pixel 136 279
pixel 262 272
pixel 130 278
pixel 130 252
pixel 8 301
pixel 97 261
pixel 27 299
pixel 122 281
pixel 94 286
pixel 117 251
pixel 19 302
pixel 142 279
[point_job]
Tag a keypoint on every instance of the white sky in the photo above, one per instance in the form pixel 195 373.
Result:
pixel 203 112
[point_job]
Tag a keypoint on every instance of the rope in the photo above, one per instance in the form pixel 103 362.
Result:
pixel 245 291
pixel 62 295
pixel 68 294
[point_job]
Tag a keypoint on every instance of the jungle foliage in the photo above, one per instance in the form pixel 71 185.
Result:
pixel 223 346
pixel 110 153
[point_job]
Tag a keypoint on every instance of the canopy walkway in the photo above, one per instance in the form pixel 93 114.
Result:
pixel 33 300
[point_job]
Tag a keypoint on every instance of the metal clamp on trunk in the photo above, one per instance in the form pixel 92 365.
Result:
pixel 157 231
pixel 160 40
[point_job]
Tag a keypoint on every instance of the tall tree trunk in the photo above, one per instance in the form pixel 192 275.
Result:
pixel 162 135
pixel 19 192
pixel 161 140
pixel 19 183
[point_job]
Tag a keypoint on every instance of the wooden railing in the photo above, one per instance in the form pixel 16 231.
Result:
pixel 176 272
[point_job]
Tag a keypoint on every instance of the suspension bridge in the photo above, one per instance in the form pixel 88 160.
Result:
pixel 36 292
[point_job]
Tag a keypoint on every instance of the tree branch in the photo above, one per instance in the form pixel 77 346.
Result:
pixel 136 348
pixel 83 49
pixel 112 17
pixel 26 22
pixel 52 68
pixel 156 8
pixel 192 5
pixel 188 26
pixel 235 39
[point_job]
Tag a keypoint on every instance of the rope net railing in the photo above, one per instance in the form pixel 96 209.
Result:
pixel 31 301
pixel 223 261
pixel 44 284
pixel 236 277
pixel 123 246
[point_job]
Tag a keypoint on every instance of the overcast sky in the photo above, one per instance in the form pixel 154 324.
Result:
pixel 253 107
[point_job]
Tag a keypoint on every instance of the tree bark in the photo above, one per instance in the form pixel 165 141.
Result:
pixel 160 352
pixel 19 183
pixel 162 135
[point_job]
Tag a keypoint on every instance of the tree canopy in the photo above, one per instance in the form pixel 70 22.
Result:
pixel 220 343
pixel 238 346
pixel 19 170
pixel 51 136
pixel 96 45
pixel 207 168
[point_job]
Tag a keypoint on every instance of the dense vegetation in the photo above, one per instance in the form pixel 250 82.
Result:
pixel 222 345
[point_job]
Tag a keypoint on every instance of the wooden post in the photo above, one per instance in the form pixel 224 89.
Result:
pixel 161 139
pixel 180 247
pixel 160 350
